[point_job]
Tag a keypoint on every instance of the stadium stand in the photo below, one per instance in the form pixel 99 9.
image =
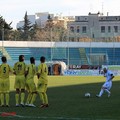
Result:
pixel 14 52
pixel 74 56
pixel 83 56
pixel 74 53
pixel 77 56
pixel 109 56
pixel 59 53
pixel 37 52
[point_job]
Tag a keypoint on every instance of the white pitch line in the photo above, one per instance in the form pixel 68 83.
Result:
pixel 58 118
pixel 40 117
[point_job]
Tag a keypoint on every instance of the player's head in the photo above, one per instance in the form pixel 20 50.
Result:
pixel 42 59
pixel 21 58
pixel 105 69
pixel 32 60
pixel 4 59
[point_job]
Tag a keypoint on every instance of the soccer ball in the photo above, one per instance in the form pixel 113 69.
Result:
pixel 87 95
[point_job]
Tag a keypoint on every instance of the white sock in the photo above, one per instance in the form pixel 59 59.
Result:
pixel 101 92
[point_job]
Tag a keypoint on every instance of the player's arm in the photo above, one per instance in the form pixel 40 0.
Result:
pixel 11 69
pixel 26 70
pixel 112 76
pixel 46 69
pixel 34 69
pixel 38 75
pixel 104 74
pixel 39 72
pixel 14 71
pixel 26 73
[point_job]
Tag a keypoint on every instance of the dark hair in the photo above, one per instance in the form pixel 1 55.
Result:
pixel 21 58
pixel 42 59
pixel 32 59
pixel 4 59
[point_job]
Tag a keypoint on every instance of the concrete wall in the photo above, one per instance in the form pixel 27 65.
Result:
pixel 59 44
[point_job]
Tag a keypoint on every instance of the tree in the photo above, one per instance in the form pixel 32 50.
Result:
pixel 54 30
pixel 26 28
pixel 15 35
pixel 5 29
pixel 34 32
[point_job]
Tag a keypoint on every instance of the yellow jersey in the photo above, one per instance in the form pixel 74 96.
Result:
pixel 31 69
pixel 19 68
pixel 5 69
pixel 43 71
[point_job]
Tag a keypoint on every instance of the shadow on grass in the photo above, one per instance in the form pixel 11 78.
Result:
pixel 69 103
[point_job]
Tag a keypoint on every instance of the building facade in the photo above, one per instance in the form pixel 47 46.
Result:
pixel 94 26
pixel 41 19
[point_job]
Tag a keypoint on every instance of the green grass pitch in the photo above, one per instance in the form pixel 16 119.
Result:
pixel 67 101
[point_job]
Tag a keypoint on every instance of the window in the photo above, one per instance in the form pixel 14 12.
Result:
pixel 78 29
pixel 109 29
pixel 84 30
pixel 72 29
pixel 102 29
pixel 115 29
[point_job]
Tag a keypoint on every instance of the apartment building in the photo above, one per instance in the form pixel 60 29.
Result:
pixel 94 26
pixel 42 17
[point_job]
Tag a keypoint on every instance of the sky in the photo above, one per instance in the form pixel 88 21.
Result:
pixel 14 10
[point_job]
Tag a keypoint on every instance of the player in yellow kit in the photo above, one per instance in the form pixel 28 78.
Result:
pixel 19 71
pixel 30 85
pixel 5 70
pixel 42 82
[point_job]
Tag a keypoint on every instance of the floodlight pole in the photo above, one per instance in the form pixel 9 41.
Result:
pixel 3 38
pixel 68 47
pixel 113 46
pixel 91 32
pixel 51 43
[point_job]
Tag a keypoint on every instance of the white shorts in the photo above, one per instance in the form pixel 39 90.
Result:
pixel 107 85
